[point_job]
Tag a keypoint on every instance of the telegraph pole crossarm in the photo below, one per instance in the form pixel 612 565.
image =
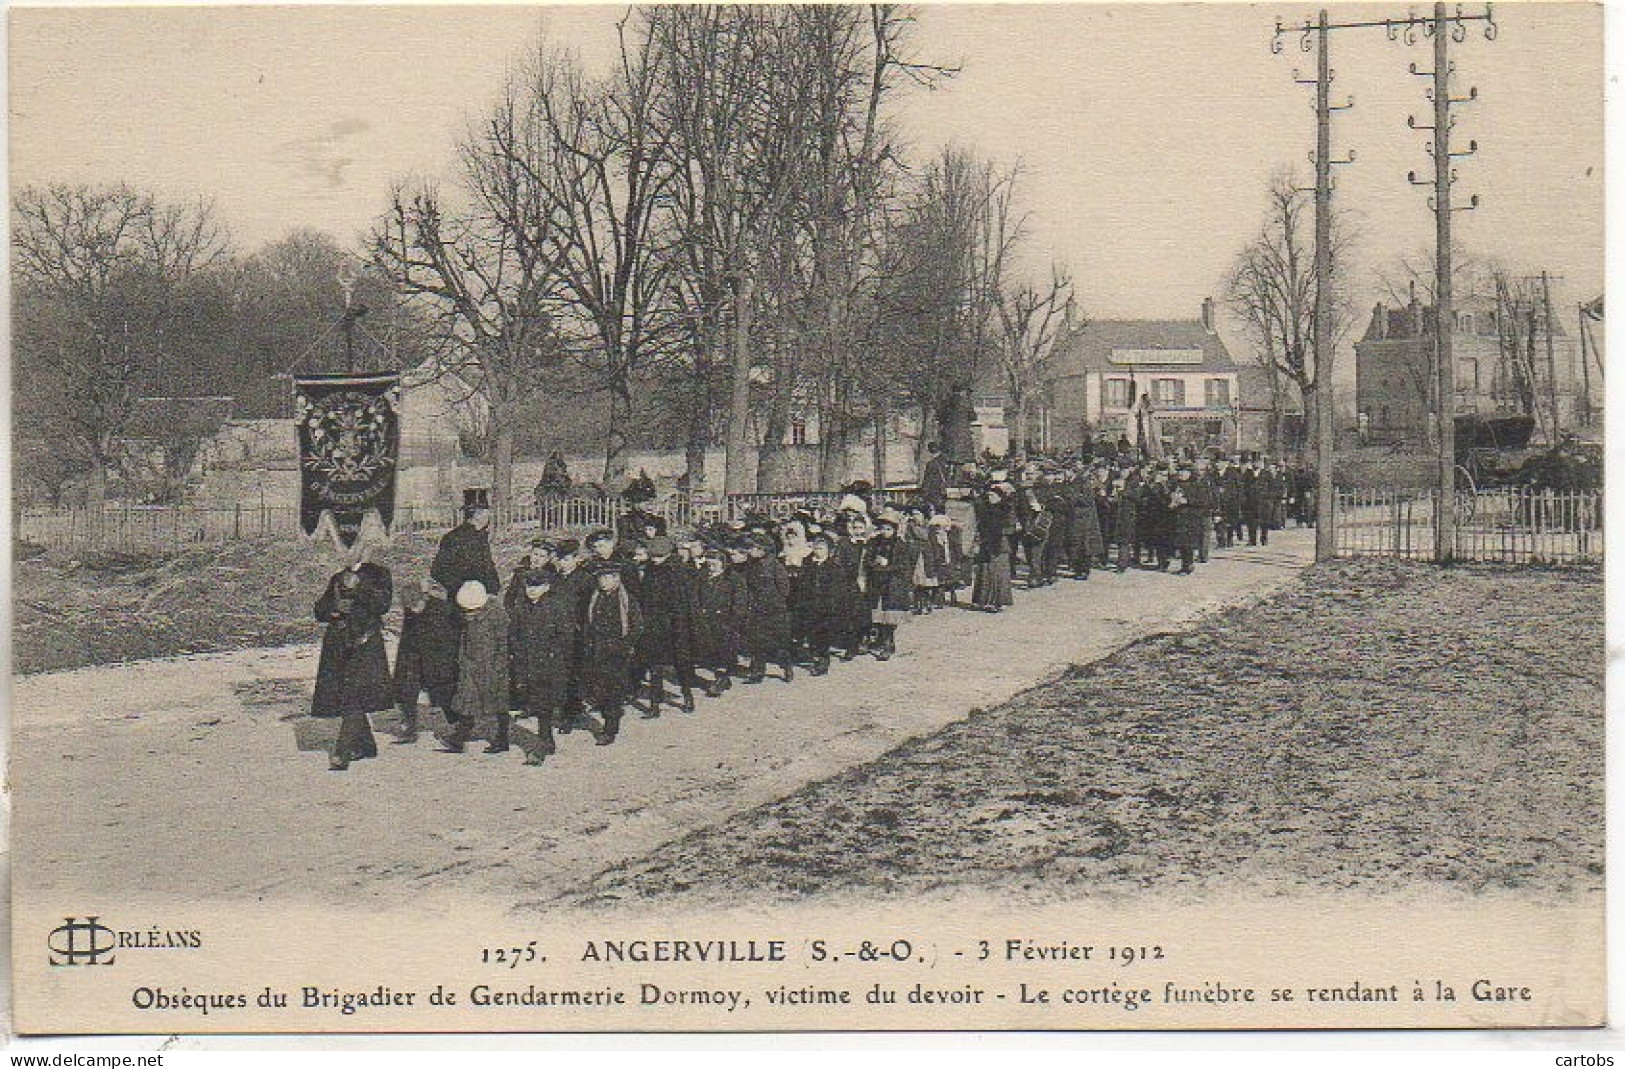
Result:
pixel 1315 35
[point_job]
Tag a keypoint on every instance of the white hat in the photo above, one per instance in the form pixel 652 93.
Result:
pixel 852 503
pixel 472 595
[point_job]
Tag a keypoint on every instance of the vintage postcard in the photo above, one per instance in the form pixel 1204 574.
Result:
pixel 806 517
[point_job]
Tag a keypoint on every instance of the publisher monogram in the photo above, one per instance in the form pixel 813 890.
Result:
pixel 79 941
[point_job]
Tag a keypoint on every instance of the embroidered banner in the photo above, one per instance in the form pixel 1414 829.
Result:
pixel 349 449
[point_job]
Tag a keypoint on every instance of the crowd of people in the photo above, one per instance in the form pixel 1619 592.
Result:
pixel 584 630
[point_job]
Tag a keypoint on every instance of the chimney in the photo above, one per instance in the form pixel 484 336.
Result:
pixel 1379 322
pixel 1207 316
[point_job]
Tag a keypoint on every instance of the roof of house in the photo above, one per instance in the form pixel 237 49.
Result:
pixel 1406 322
pixel 1090 348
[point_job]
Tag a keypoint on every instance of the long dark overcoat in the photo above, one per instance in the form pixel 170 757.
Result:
pixel 543 636
pixel 352 673
pixel 766 627
pixel 464 553
pixel 609 649
pixel 718 608
pixel 668 615
pixel 426 658
pixel 482 663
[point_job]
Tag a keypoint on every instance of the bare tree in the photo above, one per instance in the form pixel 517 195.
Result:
pixel 602 170
pixel 98 270
pixel 490 286
pixel 728 110
pixel 1033 319
pixel 1273 283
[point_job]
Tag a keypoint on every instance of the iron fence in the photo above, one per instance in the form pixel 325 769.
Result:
pixel 1508 526
pixel 144 528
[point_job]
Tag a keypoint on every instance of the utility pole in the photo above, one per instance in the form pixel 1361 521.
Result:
pixel 1325 417
pixel 1317 33
pixel 1443 28
pixel 1551 355
pixel 1444 315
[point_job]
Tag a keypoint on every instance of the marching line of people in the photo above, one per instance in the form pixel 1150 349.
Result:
pixel 585 630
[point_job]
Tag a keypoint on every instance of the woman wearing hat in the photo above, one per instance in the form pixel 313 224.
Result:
pixel 991 588
pixel 352 674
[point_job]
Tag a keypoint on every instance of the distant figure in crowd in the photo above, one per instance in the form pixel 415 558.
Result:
pixel 352 673
pixel 934 479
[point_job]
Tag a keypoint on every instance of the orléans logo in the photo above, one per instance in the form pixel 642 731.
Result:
pixel 81 941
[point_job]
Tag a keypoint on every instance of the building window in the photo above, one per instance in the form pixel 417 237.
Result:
pixel 1116 394
pixel 1464 322
pixel 1169 392
pixel 798 431
pixel 1467 374
pixel 1217 393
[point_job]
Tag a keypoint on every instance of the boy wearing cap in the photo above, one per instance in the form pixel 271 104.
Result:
pixel 352 675
pixel 766 628
pixel 611 630
pixel 544 630
pixel 668 624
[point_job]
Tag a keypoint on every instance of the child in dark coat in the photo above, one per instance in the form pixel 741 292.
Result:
pixel 611 630
pixel 544 629
pixel 426 659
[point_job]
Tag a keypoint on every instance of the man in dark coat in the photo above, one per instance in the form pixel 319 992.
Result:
pixel 1257 487
pixel 352 674
pixel 426 658
pixel 1187 504
pixel 668 623
pixel 766 628
pixel 544 631
pixel 464 552
pixel 934 479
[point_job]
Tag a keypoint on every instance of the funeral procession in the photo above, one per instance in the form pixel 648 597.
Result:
pixel 754 453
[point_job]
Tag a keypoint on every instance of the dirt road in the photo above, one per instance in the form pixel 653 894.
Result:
pixel 179 776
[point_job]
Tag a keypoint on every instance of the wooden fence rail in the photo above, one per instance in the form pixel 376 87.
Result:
pixel 1509 526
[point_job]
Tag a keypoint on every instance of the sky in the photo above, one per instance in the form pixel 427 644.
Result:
pixel 1147 133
